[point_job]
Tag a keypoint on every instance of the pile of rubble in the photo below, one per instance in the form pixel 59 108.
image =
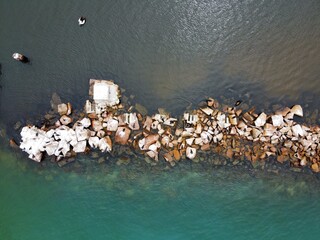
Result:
pixel 228 131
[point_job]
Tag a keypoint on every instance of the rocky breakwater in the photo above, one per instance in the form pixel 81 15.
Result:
pixel 229 131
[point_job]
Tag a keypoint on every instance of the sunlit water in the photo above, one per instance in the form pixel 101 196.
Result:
pixel 167 54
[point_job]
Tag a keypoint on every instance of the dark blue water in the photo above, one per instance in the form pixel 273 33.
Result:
pixel 166 54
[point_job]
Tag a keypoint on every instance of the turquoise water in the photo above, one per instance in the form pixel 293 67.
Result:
pixel 119 203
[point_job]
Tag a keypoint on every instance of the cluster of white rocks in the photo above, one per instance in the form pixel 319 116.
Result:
pixel 61 140
pixel 229 131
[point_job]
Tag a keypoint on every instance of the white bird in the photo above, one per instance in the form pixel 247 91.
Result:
pixel 81 21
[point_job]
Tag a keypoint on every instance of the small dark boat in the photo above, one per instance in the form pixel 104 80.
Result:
pixel 20 57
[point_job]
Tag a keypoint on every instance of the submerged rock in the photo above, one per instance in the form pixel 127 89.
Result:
pixel 55 101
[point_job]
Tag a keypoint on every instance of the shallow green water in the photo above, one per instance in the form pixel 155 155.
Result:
pixel 50 203
pixel 167 54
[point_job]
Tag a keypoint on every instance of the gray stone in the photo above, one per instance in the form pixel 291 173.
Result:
pixel 55 101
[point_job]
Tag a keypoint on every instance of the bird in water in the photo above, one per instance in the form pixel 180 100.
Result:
pixel 81 21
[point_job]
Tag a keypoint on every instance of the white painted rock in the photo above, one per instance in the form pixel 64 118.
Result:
pixel 80 147
pixel 94 142
pixel 82 134
pixel 112 125
pixel 191 152
pixel 85 122
pixel 261 120
pixel 277 120
pixel 105 144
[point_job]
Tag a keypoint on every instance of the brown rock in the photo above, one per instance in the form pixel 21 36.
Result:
pixel 229 153
pixel 168 157
pixel 92 116
pixel 122 135
pixel 65 120
pixel 145 143
pixel 176 154
pixel 147 123
pixel 315 167
pixel 205 147
pixel 13 144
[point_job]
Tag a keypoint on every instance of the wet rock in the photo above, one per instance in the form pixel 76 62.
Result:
pixel 298 170
pixel 65 120
pixel 2 132
pixel 13 144
pixel 95 155
pixel 49 116
pixel 62 109
pixel 315 167
pixel 168 157
pixel 227 131
pixel 297 110
pixel 123 161
pixel 216 162
pixel 55 101
pixel 152 154
pixel 66 161
pixel 17 125
pixel 176 154
pixel 141 109
pixel 101 160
